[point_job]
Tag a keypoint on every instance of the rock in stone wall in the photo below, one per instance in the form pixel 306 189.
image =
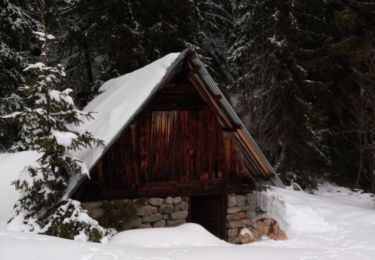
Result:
pixel 240 213
pixel 173 211
pixel 154 212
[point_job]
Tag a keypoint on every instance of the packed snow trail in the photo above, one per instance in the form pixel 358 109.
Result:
pixel 319 227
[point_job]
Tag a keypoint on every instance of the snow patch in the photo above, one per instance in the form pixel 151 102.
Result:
pixel 294 218
pixel 64 138
pixel 186 235
pixel 11 165
pixel 352 237
pixel 347 196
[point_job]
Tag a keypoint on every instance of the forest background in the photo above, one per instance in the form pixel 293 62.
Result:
pixel 300 73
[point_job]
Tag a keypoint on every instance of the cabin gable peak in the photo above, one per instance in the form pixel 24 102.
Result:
pixel 177 82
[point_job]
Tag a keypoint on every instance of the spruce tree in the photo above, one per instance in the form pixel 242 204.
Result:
pixel 272 91
pixel 104 39
pixel 16 26
pixel 48 118
pixel 215 27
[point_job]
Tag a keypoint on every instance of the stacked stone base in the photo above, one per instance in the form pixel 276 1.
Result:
pixel 174 211
pixel 240 214
pixel 154 212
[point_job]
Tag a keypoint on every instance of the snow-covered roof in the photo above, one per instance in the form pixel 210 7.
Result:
pixel 119 102
pixel 123 97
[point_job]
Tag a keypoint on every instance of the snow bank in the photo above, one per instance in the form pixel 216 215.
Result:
pixel 120 99
pixel 187 235
pixel 347 196
pixel 11 165
pixel 294 217
pixel 318 226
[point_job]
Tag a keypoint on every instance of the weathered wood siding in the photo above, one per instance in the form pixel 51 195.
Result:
pixel 175 140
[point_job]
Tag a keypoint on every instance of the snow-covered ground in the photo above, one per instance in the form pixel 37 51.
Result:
pixel 11 165
pixel 336 223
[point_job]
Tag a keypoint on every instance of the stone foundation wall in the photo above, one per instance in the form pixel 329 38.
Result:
pixel 154 212
pixel 240 213
pixel 173 211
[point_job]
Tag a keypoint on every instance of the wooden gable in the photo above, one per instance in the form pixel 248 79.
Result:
pixel 179 143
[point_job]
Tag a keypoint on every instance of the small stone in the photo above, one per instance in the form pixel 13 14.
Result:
pixel 146 225
pixel 237 216
pixel 233 210
pixel 175 223
pixel 183 205
pixel 251 198
pixel 168 200
pixel 179 214
pixel 232 232
pixel 155 201
pixel 152 218
pixel 246 236
pixel 96 213
pixel 250 214
pixel 245 208
pixel 239 223
pixel 146 210
pixel 92 205
pixel 166 208
pixel 160 223
pixel 232 201
pixel 128 201
pixel 133 223
pixel 165 216
pixel 177 200
pixel 240 200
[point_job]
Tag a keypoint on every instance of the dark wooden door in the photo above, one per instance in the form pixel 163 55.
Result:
pixel 209 211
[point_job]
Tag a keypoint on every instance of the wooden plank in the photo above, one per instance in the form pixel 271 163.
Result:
pixel 177 188
pixel 206 95
pixel 136 153
pixel 252 151
pixel 144 130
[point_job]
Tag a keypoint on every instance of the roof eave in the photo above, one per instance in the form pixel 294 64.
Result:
pixel 205 76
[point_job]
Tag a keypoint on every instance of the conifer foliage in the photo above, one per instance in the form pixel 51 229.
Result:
pixel 47 117
pixel 299 73
pixel 16 51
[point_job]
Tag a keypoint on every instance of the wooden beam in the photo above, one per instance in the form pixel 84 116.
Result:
pixel 252 151
pixel 165 189
pixel 210 100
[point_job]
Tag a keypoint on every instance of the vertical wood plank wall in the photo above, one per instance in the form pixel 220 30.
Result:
pixel 176 138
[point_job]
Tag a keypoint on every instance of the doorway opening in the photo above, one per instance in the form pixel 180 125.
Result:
pixel 209 211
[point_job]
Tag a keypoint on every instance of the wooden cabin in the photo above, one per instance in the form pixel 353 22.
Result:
pixel 183 140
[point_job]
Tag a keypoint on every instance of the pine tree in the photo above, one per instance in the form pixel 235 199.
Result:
pixel 48 118
pixel 215 27
pixel 347 56
pixel 16 26
pixel 104 39
pixel 272 91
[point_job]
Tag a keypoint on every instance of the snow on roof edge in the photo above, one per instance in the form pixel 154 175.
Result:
pixel 75 182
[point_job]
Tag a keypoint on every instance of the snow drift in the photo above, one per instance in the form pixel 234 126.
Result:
pixel 11 165
pixel 318 226
pixel 182 236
